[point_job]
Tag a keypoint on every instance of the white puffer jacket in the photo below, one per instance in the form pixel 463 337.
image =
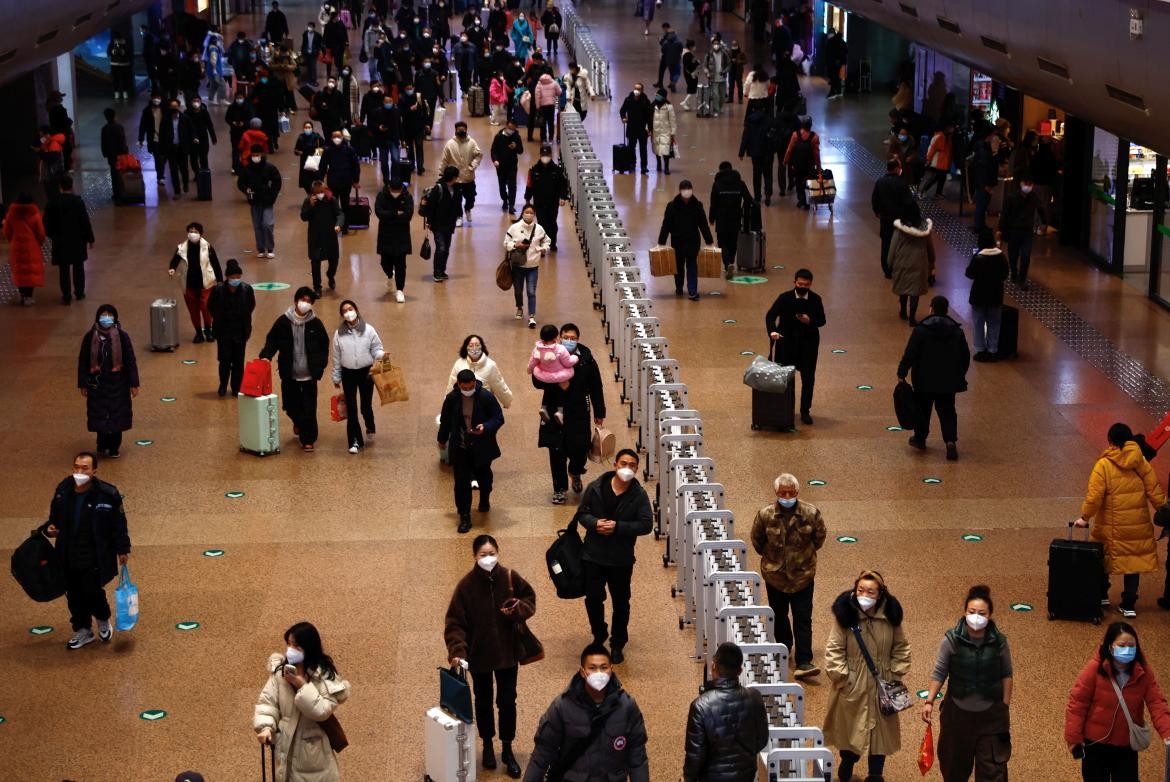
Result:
pixel 302 748
pixel 355 348
pixel 487 373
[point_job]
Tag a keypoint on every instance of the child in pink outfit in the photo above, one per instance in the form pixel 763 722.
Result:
pixel 552 366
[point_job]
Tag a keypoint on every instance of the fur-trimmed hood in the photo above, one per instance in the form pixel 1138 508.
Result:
pixel 919 232
pixel 847 612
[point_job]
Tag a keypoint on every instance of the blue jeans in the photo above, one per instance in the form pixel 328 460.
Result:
pixel 442 249
pixel 1019 243
pixel 263 225
pixel 521 279
pixel 388 153
pixel 986 318
pixel 686 261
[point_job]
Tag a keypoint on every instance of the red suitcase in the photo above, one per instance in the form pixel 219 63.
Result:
pixel 1159 434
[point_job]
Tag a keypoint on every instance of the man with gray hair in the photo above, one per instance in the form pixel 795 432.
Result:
pixel 787 534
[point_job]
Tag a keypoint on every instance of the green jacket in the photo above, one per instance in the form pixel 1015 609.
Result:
pixel 787 542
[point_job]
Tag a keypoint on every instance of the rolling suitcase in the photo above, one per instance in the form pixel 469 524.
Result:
pixel 164 324
pixel 623 158
pixel 203 185
pixel 1076 576
pixel 403 170
pixel 259 424
pixel 451 84
pixel 271 762
pixel 476 101
pixel 749 252
pixel 357 211
pixel 450 748
pixel 132 188
pixel 775 411
pixel 1009 333
pixel 704 101
pixel 359 138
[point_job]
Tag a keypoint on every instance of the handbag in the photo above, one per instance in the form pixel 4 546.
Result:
pixel 313 161
pixel 338 410
pixel 126 603
pixel 905 407
pixel 389 381
pixel 1139 735
pixel 601 445
pixel 893 697
pixel 424 252
pixel 504 275
pixel 455 693
pixel 332 729
pixel 528 647
pixel 518 256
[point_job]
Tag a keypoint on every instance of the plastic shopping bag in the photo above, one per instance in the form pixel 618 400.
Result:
pixel 126 602
pixel 338 411
pixel 926 751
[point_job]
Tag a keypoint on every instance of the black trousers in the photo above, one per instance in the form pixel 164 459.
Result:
pixel 548 122
pixel 640 149
pixel 876 764
pixel 355 382
pixel 686 265
pixel 465 191
pixel 330 272
pixel 948 419
pixel 395 268
pixel 86 598
pixel 728 244
pixel 887 233
pixel 198 159
pixel 797 636
pixel 177 162
pixel 230 352
pixel 505 692
pixel 1129 589
pixel 808 381
pixel 465 468
pixel 506 177
pixel 109 441
pixel 299 401
pixel 617 578
pixel 762 170
pixel 546 216
pixel 563 462
pixel 71 273
pixel 1109 763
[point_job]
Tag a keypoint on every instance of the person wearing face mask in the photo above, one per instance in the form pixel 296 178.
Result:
pixel 716 66
pixel 311 46
pixel 428 83
pixel 787 535
pixel 905 148
pixel 1016 223
pixel 578 90
pixel 987 270
pixel 803 159
pixel 327 107
pixel 553 23
pixel 975 726
pixel 67 224
pixel 546 94
pixel 323 212
pixel 462 153
pixel 440 211
pixel 251 138
pixel 567 453
pixel 938 356
pixel 196 278
pixel 527 235
pixel 736 64
pixel 795 321
pixel 836 55
pixel 547 189
pixel 727 725
pixel 412 110
pixel 107 375
pixel 690 71
pixel 481 622
pixel 394 208
pixel 303 344
pixel 372 34
pixel 175 144
pixel 464 53
pixel 309 143
pixel 356 346
pixel 615 512
pixel 213 62
pixel 473 355
pixel 507 147
pixel 336 39
pixel 1113 690
pixel 468 423
pixel 663 126
pixel 301 695
pixel 594 707
pixel 497 97
pixel 685 222
pixel 341 170
pixel 260 182
pixel 232 303
pixel 385 124
pixel 87 519
pixel 202 134
pixel 522 37
pixel 238 116
pixel 636 113
pixel 867 614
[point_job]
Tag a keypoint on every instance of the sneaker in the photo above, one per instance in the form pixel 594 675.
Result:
pixel 560 416
pixel 458 222
pixel 400 297
pixel 695 297
pixel 804 670
pixel 105 631
pixel 519 314
pixel 1128 613
pixel 80 639
pixel 467 217
pixel 576 482
pixel 354 448
pixel 112 453
pixel 531 323
pixel 1105 602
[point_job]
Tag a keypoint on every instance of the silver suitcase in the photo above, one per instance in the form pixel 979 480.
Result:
pixel 452 82
pixel 164 324
pixel 749 252
pixel 450 748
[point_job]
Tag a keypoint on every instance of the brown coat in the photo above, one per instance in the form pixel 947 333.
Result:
pixel 787 542
pixel 476 629
pixel 853 721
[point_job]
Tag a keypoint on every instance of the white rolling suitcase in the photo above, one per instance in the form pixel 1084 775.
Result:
pixel 164 324
pixel 450 748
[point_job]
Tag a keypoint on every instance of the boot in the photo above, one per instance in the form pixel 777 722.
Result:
pixel 208 334
pixel 952 452
pixel 484 504
pixel 510 761
pixel 489 755
pixel 465 526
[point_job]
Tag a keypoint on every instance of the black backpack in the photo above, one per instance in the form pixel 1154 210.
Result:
pixel 36 566
pixel 564 563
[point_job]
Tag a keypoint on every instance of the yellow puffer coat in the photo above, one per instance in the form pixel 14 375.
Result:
pixel 1121 489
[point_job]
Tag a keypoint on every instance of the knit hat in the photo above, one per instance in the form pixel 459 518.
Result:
pixel 257 149
pixel 255 123
pixel 232 267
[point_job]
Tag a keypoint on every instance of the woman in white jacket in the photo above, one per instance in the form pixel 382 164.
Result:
pixel 526 243
pixel 663 126
pixel 356 346
pixel 302 692
pixel 473 355
pixel 755 87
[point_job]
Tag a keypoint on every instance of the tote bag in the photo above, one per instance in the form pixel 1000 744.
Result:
pixel 126 602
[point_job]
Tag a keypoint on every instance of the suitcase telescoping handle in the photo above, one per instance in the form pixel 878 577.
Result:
pixel 271 759
pixel 1070 529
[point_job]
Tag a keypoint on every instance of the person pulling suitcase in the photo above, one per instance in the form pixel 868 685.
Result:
pixel 795 321
pixel 730 203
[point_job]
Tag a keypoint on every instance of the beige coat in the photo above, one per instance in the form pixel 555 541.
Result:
pixel 465 155
pixel 853 721
pixel 302 748
pixel 205 267
pixel 538 245
pixel 663 126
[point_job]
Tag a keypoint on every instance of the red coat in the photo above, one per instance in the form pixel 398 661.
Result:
pixel 252 137
pixel 25 235
pixel 1093 708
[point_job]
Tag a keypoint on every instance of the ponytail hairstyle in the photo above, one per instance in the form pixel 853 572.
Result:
pixel 980 592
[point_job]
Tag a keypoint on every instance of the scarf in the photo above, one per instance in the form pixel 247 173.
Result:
pixel 114 334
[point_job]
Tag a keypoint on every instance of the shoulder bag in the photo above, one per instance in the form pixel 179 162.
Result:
pixel 528 646
pixel 1139 735
pixel 556 772
pixel 332 729
pixel 518 256
pixel 893 697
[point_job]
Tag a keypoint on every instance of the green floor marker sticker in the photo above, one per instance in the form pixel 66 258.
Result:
pixel 190 361
pixel 144 443
pixel 234 495
pixel 213 552
pixel 3 719
pixel 865 388
pixel 747 352
pixel 730 322
pixel 846 539
pixel 748 279
pixel 971 537
pixel 838 351
pixel 187 626
pixel 40 630
pixel 1022 607
pixel 714 293
pixel 269 286
pixel 932 481
pixel 816 482
pixel 166 399
pixel 894 429
pixel 778 266
pixel 151 715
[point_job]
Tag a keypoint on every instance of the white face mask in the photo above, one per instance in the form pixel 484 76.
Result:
pixel 468 392
pixel 686 193
pixel 304 307
pixel 529 219
pixel 81 478
pixel 474 353
pixel 545 159
pixel 625 474
pixel 294 656
pixel 192 237
pixel 637 93
pixel 255 158
pixel 337 141
pixel 488 562
pixel 976 621
pixel 597 680
pixel 350 316
pixel 866 602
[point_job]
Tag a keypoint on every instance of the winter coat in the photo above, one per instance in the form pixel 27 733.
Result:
pixel 340 167
pixel 637 111
pixel 231 311
pixel 324 218
pixel 663 126
pixel 551 362
pixel 546 186
pixel 106 516
pixel 488 373
pixel 799 342
pixel 889 198
pixel 25 234
pixel 302 749
pixel 263 179
pixel 498 92
pixel 476 630
pixel 208 264
pixel 578 90
pixel 937 356
pixel 756 141
pixel 1121 488
pixel 618 752
pixel 308 145
pixel 671 49
pixel 485 410
pixel 938 154
pixel 584 396
pixel 67 224
pixel 987 271
pixel 506 150
pixel 684 222
pixel 911 258
pixel 280 340
pixel 727 726
pixel 439 208
pixel 1093 714
pixel 522 37
pixel 633 517
pixel 716 64
pixel 355 348
pixel 1019 212
pixel 852 720
pixel 108 404
pixel 252 137
pixel 394 215
pixel 756 88
pixel 465 155
pixel 547 91
pixel 538 242
pixel 729 198
pixel 787 541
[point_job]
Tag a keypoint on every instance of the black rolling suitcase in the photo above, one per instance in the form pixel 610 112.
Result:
pixel 402 171
pixel 775 411
pixel 357 211
pixel 203 185
pixel 623 158
pixel 359 138
pixel 1076 576
pixel 1009 333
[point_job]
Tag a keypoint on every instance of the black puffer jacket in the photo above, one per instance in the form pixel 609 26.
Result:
pixel 936 356
pixel 684 222
pixel 726 729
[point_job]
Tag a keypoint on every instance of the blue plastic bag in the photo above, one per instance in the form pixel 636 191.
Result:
pixel 126 602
